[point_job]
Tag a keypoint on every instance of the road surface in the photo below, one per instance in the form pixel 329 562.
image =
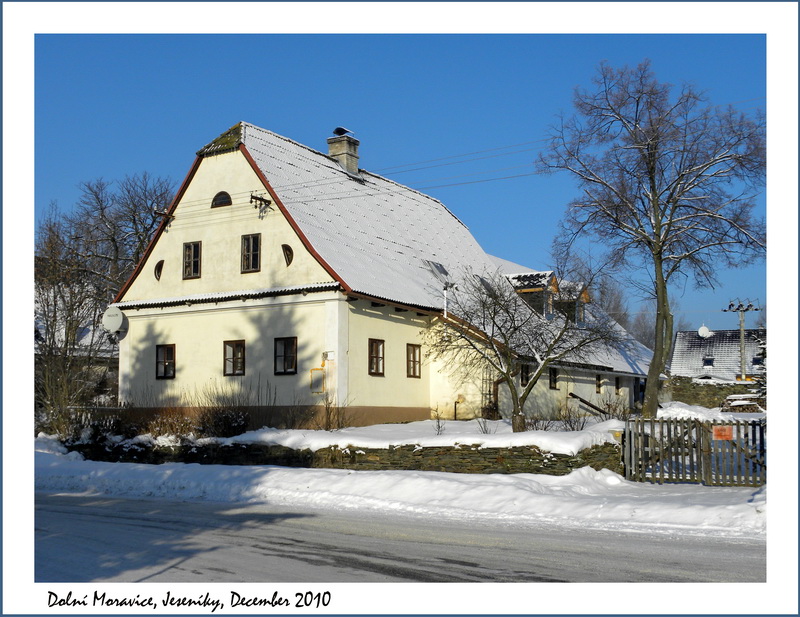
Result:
pixel 84 539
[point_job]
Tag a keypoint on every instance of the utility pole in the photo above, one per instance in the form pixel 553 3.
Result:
pixel 740 308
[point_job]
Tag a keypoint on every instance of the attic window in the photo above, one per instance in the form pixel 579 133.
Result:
pixel 221 199
pixel 288 254
pixel 708 361
pixel 157 270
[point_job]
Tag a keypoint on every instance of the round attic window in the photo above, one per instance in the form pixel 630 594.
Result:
pixel 221 199
pixel 157 270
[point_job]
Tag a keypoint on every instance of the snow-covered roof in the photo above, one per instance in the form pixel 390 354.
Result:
pixel 716 356
pixel 628 357
pixel 379 237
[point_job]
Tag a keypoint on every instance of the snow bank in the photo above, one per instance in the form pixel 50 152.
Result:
pixel 680 410
pixel 584 498
pixel 490 434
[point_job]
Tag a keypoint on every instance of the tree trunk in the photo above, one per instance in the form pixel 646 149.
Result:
pixel 518 422
pixel 658 363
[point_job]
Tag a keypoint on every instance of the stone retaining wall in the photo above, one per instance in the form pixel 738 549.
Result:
pixel 457 459
pixel 710 395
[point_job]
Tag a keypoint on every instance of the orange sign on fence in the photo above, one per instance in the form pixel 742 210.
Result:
pixel 722 433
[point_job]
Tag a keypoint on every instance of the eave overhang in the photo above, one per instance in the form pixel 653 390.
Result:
pixel 228 296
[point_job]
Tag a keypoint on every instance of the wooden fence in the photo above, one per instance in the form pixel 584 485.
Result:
pixel 719 453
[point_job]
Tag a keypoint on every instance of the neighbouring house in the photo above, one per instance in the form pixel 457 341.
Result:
pixel 285 277
pixel 718 355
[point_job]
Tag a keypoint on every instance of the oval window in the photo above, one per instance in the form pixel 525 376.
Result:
pixel 288 253
pixel 221 199
pixel 157 270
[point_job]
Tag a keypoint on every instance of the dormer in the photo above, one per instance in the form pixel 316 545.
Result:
pixel 571 300
pixel 538 289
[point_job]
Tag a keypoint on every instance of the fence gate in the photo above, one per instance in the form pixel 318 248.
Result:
pixel 724 453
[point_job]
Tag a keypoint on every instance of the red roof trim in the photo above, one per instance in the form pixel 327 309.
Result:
pixel 292 222
pixel 164 223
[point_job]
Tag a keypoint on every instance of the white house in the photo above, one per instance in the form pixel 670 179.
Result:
pixel 292 276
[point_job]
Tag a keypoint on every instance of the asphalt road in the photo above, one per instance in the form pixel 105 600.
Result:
pixel 85 539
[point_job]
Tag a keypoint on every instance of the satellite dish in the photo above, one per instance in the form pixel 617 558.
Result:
pixel 114 320
pixel 704 332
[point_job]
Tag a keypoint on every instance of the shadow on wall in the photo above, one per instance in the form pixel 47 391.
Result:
pixel 274 385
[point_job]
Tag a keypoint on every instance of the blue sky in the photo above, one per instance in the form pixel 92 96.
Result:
pixel 460 117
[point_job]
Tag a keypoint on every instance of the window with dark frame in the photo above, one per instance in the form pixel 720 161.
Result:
pixel 413 361
pixel 524 374
pixel 554 379
pixel 221 199
pixel 376 350
pixel 191 260
pixel 617 385
pixel 286 355
pixel 234 358
pixel 165 361
pixel 251 253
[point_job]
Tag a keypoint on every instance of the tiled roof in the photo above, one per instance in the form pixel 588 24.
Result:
pixel 691 349
pixel 377 235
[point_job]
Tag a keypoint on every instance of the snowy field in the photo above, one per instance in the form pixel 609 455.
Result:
pixel 584 498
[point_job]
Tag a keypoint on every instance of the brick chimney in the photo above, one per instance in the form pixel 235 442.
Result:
pixel 344 149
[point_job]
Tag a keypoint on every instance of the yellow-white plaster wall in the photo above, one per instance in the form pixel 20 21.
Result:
pixel 198 332
pixel 397 329
pixel 220 231
pixel 451 384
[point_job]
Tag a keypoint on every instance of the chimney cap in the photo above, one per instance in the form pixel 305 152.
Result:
pixel 340 130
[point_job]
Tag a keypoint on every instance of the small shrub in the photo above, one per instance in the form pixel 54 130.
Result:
pixel 614 407
pixel 333 416
pixel 221 422
pixel 484 428
pixel 539 422
pixel 171 421
pixel 439 424
pixel 571 417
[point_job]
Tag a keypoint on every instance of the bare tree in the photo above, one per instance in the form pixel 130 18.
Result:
pixel 83 257
pixel 668 185
pixel 609 295
pixel 117 225
pixel 642 325
pixel 490 325
pixel 68 344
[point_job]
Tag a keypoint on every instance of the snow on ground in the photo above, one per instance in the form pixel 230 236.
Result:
pixel 584 498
